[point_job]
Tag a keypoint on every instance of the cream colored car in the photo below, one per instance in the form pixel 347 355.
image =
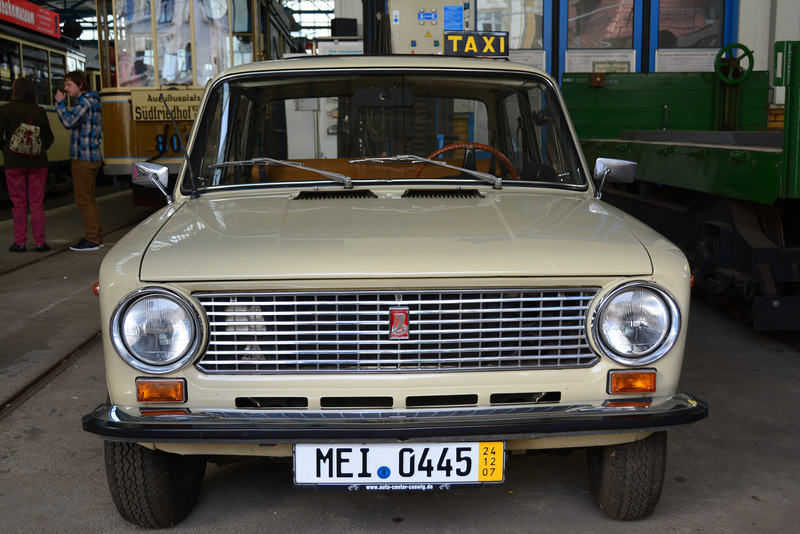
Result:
pixel 396 271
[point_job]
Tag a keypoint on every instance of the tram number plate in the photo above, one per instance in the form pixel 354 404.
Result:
pixel 399 466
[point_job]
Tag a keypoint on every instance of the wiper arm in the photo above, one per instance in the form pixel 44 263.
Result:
pixel 335 176
pixel 496 181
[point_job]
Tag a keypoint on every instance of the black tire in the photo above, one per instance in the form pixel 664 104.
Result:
pixel 626 479
pixel 152 489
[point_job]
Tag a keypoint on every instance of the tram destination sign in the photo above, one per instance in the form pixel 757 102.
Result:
pixel 30 16
pixel 183 103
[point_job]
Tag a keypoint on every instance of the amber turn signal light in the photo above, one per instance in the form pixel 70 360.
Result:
pixel 639 381
pixel 96 289
pixel 160 390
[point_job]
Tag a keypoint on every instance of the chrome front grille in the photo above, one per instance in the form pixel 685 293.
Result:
pixel 304 332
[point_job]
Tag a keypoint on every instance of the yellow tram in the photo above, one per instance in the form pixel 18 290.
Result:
pixel 42 57
pixel 173 47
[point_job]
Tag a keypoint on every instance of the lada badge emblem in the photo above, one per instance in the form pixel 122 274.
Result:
pixel 398 322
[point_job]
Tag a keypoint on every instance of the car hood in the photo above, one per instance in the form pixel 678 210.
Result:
pixel 499 235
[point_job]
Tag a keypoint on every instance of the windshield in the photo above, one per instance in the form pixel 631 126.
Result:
pixel 350 127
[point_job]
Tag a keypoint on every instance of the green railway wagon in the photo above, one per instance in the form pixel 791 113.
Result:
pixel 711 177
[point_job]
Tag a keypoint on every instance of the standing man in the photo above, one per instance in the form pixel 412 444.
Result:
pixel 85 156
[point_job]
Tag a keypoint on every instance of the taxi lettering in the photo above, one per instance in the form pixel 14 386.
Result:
pixel 484 44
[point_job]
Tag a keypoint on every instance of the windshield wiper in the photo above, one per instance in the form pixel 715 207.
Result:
pixel 335 176
pixel 496 181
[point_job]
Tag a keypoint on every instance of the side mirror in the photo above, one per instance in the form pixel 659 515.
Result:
pixel 614 170
pixel 152 175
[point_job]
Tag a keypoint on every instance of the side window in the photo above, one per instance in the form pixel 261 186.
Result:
pixel 554 137
pixel 302 126
pixel 540 142
pixel 58 68
pixel 237 126
pixel 217 124
pixel 517 133
pixel 241 131
pixel 36 68
pixel 275 133
pixel 9 67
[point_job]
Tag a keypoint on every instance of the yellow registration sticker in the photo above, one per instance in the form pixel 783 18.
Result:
pixel 490 461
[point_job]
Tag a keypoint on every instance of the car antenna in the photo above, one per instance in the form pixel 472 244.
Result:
pixel 183 147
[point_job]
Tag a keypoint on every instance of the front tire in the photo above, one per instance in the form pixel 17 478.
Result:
pixel 152 489
pixel 626 479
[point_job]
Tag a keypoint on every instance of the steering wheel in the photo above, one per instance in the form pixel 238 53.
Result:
pixel 467 146
pixel 736 73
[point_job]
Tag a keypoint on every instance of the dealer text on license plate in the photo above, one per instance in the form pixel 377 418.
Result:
pixel 399 466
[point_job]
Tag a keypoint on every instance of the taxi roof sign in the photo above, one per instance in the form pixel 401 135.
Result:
pixel 481 44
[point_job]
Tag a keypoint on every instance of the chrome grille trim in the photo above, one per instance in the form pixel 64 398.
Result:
pixel 324 332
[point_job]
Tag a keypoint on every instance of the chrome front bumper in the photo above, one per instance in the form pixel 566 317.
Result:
pixel 269 427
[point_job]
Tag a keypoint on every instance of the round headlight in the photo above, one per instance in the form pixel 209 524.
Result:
pixel 637 324
pixel 155 331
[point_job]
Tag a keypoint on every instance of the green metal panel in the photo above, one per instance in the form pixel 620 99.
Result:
pixel 753 175
pixel 636 101
pixel 787 74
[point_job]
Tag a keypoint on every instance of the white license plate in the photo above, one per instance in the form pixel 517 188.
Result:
pixel 399 466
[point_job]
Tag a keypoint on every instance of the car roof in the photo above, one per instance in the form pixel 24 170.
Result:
pixel 382 62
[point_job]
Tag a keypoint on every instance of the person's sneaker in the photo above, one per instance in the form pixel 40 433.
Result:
pixel 17 248
pixel 85 245
pixel 42 248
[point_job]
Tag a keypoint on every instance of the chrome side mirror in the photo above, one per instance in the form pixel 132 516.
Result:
pixel 152 175
pixel 614 170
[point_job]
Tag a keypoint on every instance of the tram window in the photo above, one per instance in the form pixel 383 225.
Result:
pixel 174 43
pixel 211 37
pixel 134 44
pixel 36 68
pixel 242 16
pixel 9 67
pixel 175 60
pixel 600 24
pixel 242 49
pixel 690 24
pixel 135 67
pixel 74 64
pixel 58 66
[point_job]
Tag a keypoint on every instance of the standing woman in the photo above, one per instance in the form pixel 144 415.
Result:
pixel 25 175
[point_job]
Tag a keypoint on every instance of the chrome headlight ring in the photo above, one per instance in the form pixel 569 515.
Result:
pixel 636 324
pixel 156 331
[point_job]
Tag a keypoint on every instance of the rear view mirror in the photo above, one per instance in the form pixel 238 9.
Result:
pixel 614 170
pixel 383 97
pixel 151 175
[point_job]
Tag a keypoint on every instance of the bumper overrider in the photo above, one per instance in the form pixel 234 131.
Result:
pixel 269 426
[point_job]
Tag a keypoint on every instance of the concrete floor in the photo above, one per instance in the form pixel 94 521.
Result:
pixel 737 471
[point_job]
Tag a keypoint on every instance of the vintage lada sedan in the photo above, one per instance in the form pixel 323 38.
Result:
pixel 396 272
